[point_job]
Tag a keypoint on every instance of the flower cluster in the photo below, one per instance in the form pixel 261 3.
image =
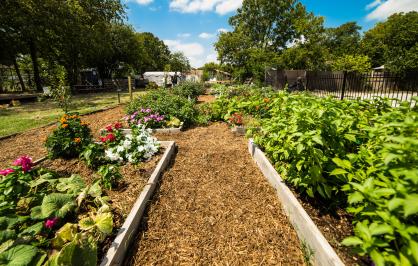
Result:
pixel 236 119
pixel 69 138
pixel 146 117
pixel 25 162
pixel 135 147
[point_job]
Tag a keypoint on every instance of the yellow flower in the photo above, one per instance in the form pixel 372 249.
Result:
pixel 77 140
pixel 63 120
pixel 64 125
pixel 84 123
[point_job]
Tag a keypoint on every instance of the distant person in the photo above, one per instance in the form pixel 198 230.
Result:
pixel 174 79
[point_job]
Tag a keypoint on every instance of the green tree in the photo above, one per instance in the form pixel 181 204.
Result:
pixel 394 43
pixel 179 62
pixel 343 40
pixel 155 53
pixel 352 63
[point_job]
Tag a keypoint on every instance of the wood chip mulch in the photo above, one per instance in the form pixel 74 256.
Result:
pixel 214 207
pixel 32 142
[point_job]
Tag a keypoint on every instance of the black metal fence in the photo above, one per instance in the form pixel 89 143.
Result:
pixel 347 85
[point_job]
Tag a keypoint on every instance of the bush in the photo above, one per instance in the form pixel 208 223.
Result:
pixel 69 138
pixel 165 103
pixel 189 90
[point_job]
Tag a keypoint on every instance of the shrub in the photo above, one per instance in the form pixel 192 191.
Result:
pixel 165 103
pixel 69 138
pixel 189 90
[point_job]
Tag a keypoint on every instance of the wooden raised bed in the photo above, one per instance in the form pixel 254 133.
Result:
pixel 308 232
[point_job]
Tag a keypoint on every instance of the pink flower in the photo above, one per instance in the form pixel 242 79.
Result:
pixel 6 171
pixel 25 162
pixel 50 223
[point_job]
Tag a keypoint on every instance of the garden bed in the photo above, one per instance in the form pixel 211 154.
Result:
pixel 127 200
pixel 308 232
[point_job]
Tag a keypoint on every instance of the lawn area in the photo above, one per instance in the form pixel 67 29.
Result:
pixel 31 115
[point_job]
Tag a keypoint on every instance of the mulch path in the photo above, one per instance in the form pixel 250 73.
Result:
pixel 32 142
pixel 214 207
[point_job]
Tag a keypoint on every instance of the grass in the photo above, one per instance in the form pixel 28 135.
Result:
pixel 32 115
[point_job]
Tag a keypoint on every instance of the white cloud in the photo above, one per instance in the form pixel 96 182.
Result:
pixel 212 57
pixel 373 4
pixel 383 9
pixel 184 35
pixel 205 35
pixel 193 6
pixel 141 2
pixel 228 6
pixel 194 51
pixel 222 30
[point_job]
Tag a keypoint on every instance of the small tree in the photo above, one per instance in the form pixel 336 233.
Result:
pixel 352 63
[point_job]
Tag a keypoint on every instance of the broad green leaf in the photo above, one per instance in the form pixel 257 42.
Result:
pixel 318 139
pixel 345 164
pixel 352 241
pixel 6 235
pixel 380 229
pixel 18 255
pixel 395 203
pixel 65 234
pixel 33 230
pixel 350 137
pixel 355 197
pixel 414 250
pixel 411 205
pixel 384 192
pixel 71 185
pixel 377 258
pixel 57 205
pixel 78 252
pixel 104 222
pixel 86 223
pixel 338 171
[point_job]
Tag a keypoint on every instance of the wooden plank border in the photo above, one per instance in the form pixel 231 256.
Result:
pixel 116 253
pixel 308 232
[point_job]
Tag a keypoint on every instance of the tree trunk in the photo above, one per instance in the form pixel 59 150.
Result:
pixel 22 84
pixel 34 57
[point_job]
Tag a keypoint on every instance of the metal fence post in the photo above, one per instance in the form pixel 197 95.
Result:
pixel 344 85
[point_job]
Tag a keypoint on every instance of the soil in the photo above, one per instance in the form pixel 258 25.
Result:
pixel 214 206
pixel 206 98
pixel 32 142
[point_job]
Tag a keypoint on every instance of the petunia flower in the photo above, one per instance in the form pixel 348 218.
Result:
pixel 6 171
pixel 50 223
pixel 25 162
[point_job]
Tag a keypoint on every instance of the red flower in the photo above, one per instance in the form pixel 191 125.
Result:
pixel 118 125
pixel 109 128
pixel 109 138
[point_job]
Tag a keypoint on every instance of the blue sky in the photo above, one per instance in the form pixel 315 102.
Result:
pixel 191 26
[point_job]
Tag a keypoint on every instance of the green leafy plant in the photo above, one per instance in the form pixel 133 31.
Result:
pixel 189 90
pixel 69 138
pixel 110 175
pixel 167 104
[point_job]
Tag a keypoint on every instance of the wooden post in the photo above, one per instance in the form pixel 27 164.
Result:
pixel 130 87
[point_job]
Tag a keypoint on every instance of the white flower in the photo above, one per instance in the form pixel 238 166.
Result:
pixel 113 156
pixel 120 149
pixel 127 143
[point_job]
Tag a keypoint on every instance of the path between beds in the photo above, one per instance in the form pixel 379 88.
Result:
pixel 214 207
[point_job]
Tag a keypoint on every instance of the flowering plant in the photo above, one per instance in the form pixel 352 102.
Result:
pixel 146 117
pixel 236 119
pixel 69 138
pixel 133 148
